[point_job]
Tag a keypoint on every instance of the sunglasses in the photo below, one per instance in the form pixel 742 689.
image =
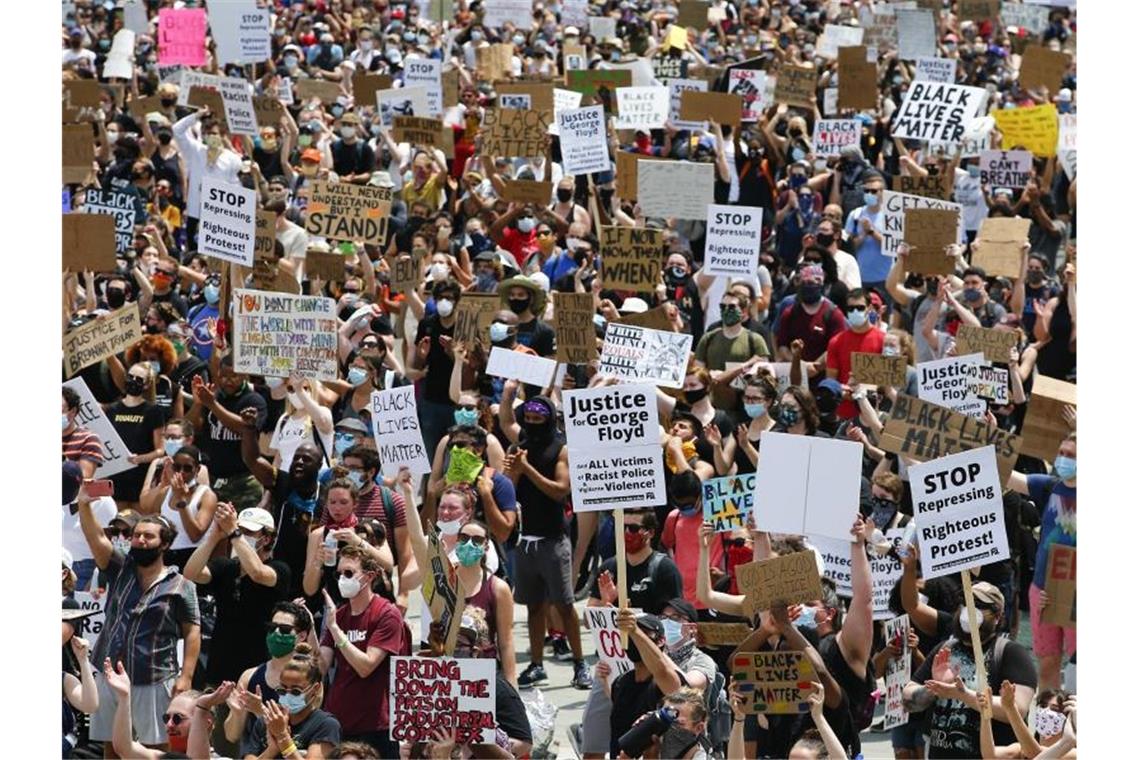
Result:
pixel 370 344
pixel 469 407
pixel 856 308
pixel 295 691
pixel 544 233
pixel 738 542
pixel 175 718
pixel 346 573
pixel 121 532
pixel 464 538
pixel 284 628
pixel 633 528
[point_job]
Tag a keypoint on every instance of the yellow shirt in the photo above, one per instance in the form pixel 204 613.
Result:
pixel 431 193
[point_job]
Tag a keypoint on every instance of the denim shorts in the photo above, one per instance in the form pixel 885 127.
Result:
pixel 909 735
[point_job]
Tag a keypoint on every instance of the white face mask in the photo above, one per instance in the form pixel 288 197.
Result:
pixel 444 307
pixel 250 541
pixel 348 132
pixel 365 45
pixel 964 619
pixel 439 271
pixel 348 587
pixel 449 527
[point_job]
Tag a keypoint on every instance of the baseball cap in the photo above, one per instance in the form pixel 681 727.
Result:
pixel 381 179
pixel 989 595
pixel 831 384
pixel 687 610
pixel 652 625
pixel 633 305
pixel 352 424
pixel 312 155
pixel 255 518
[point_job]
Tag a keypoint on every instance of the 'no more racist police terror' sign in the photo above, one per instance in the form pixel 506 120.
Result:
pixel 937 112
pixel 959 512
pixel 615 457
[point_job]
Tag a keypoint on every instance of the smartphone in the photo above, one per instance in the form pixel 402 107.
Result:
pixel 99 488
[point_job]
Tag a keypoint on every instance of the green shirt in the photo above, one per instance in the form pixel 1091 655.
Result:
pixel 715 351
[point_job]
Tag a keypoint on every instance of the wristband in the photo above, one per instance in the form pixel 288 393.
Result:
pixel 342 643
pixel 288 749
pixel 235 534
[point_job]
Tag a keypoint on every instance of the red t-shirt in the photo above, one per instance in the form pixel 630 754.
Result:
pixel 682 537
pixel 361 704
pixel 839 352
pixel 810 328
pixel 521 246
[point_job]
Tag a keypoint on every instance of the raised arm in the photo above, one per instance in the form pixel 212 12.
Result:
pixel 251 452
pixel 858 626
pixel 97 541
pixel 730 604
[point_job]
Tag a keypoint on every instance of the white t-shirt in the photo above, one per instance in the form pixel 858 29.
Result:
pixel 294 240
pixel 291 432
pixel 848 270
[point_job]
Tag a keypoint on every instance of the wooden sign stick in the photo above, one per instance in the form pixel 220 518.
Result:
pixel 975 638
pixel 619 541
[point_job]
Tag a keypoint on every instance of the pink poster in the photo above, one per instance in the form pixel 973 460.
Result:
pixel 182 37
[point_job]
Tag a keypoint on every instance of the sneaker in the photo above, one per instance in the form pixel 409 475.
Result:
pixel 561 650
pixel 582 678
pixel 534 675
pixel 575 734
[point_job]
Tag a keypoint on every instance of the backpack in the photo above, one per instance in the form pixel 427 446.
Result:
pixel 719 722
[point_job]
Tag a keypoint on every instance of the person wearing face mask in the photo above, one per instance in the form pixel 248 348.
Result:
pixel 515 230
pixel 731 342
pixel 429 177
pixel 353 158
pixel 866 225
pixel 431 358
pixel 138 624
pixel 527 301
pixel 494 502
pixel 828 236
pixel 246 582
pixel 183 500
pixel 811 318
pixel 860 336
pixel 327 55
pixel 977 299
pixel 138 420
pixel 340 517
pixel 947 682
pixel 203 316
pixel 205 158
pixel 1037 286
pixel 682 289
pixel 305 421
pixel 359 638
pixel 679 535
pixel 176 720
pixel 189 366
pixel 294 722
pixel 565 207
pixel 175 435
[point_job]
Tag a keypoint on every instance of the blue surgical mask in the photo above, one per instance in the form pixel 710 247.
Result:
pixel 890 351
pixel 688 510
pixel 798 154
pixel 526 224
pixel 518 39
pixel 469 554
pixel 1064 467
pixel 806 619
pixel 294 703
pixel 755 410
pixel 476 36
pixel 211 293
pixel 672 631
pixel 356 376
pixel 66 422
pixel 499 332
pixel 171 446
pixel 342 442
pixel 856 319
pixel 871 199
pixel 972 294
pixel 466 416
pixel 357 478
pixel 290 61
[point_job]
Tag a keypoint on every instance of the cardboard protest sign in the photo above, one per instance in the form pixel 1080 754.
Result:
pixel 80 99
pixel 583 141
pixel 499 12
pixel 858 85
pixel 513 133
pixel 677 189
pixel 777 683
pixel 999 245
pixel 631 257
pixel 930 186
pixel 637 353
pixel 342 211
pixel 958 508
pixel 916 34
pixel 574 327
pixel 278 334
pixel 898 672
pixel 934 111
pixel 693 13
pixel 882 33
pixel 1042 67
pixel 626 180
pixel 323 90
pixel 878 369
pixel 327 267
pixel 614 452
pixel 430 693
pixel 1061 586
pixel 1034 128
pixel 993 344
pixel 140 107
pixel 732 240
pixel 264 238
pixel 749 85
pixel 928 232
pixel 526 368
pixel 78 152
pixel 786 579
pixel 832 135
pixel 189 81
pixel 182 36
pixel 602 622
pixel 1032 18
pixel 990 383
pixel 267 110
pixel 656 318
pixel 727 501
pixel 494 61
pixel 935 70
pixel 121 205
pixel 202 97
pixel 396 428
pixel 1045 426
pixel 642 108
pixel 677 90
pixel 473 317
pixel 530 96
pixel 807 485
pixel 104 336
pixel 895 206
pixel 88 242
pixel 528 191
pixel 419 130
pixel 795 85
pixel 406 271
pixel 365 86
pixel 426 73
pixel 722 634
pixel 240 31
pixel 979 10
pixel 1001 168
pixel 443 593
pixel 92 417
pixel 946 382
pixel 227 230
pixel 721 107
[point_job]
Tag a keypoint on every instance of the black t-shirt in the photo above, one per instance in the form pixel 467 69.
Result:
pixel 955 729
pixel 268 161
pixel 856 690
pixel 357 158
pixel 785 730
pixel 510 712
pixel 648 593
pixel 437 381
pixel 320 727
pixel 243 606
pixel 537 336
pixel 136 425
pixel 631 699
pixel 293 523
pixel 543 516
pixel 222 445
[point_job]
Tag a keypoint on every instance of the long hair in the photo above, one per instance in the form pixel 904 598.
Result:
pixel 158 347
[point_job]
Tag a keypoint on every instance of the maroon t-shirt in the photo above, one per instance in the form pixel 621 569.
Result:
pixel 810 328
pixel 361 704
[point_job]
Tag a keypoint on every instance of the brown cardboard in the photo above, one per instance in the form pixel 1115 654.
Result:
pixel 1061 587
pixel 693 13
pixel 473 316
pixel 795 85
pixel 781 681
pixel 268 111
pixel 627 173
pixel 100 338
pixel 78 154
pixel 788 579
pixel 858 79
pixel 493 61
pixel 513 133
pixel 722 634
pixel 928 231
pixel 342 211
pixel 574 327
pixel 994 344
pixel 327 92
pixel 923 431
pixel 89 242
pixel 653 319
pixel 541 96
pixel 1042 67
pixel 264 245
pixel 528 191
pixel 631 258
pixel 328 267
pixel 1045 427
pixel 978 10
pixel 450 82
pixel 204 97
pixel 365 86
pixel 877 369
pixel 999 244
pixel 140 107
pixel 721 107
pixel 418 130
pixel 406 272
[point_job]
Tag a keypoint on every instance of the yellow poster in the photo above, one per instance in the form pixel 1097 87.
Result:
pixel 1034 128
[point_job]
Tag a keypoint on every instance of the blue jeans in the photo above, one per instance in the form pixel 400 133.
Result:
pixel 435 418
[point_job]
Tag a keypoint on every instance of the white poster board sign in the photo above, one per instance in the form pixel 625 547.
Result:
pixel 948 383
pixel 602 622
pixel 89 628
pixel 640 353
pixel 642 107
pixel 807 485
pixel 396 428
pixel 583 140
pixel 1005 168
pixel 227 230
pixel 894 215
pixel 240 30
pixel 426 73
pixel 526 368
pixel 833 135
pixel 836 36
pixel 403 101
pixel 916 34
pixel 898 672
pixel 935 70
pixel 937 112
pixel 427 694
pixel 92 417
pixel 278 334
pixel 732 240
pixel 237 99
pixel 678 189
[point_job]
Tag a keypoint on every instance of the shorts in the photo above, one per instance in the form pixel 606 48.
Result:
pixel 909 735
pixel 243 491
pixel 1048 638
pixel 148 703
pixel 542 571
pixel 596 720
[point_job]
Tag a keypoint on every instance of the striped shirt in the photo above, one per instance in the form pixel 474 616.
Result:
pixel 82 444
pixel 143 626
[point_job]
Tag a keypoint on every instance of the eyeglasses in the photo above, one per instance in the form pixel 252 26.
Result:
pixel 279 627
pixel 465 538
pixel 175 718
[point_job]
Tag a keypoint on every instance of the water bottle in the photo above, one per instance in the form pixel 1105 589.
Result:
pixel 907 538
pixel 330 543
pixel 636 740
